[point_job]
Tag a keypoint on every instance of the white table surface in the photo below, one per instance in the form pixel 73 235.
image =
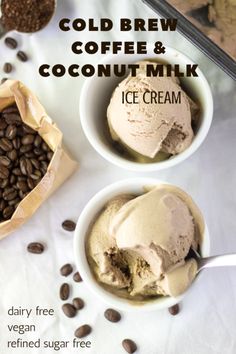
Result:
pixel 206 323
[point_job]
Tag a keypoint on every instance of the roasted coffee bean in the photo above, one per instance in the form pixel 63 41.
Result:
pixel 12 180
pixel 14 202
pixel 29 167
pixel 23 186
pixel 78 303
pixel 12 118
pixel 44 146
pixel 174 310
pixel 9 194
pixel 69 310
pixel 36 175
pixel 112 315
pixel 8 211
pixel 16 171
pixel 12 155
pixel 26 166
pixel 22 195
pixel 11 131
pixel 31 183
pixel 16 143
pixel 42 157
pixel 29 154
pixel 28 139
pixel 25 148
pixel 35 247
pixel 2 204
pixel 129 346
pixel 26 129
pixel 68 225
pixel 4 172
pixel 66 269
pixel 11 42
pixel 7 68
pixel 5 144
pixel 64 291
pixel 38 151
pixel 37 141
pixel 49 155
pixel 77 277
pixel 22 56
pixel 23 166
pixel 37 182
pixel 4 183
pixel 83 331
pixel 10 109
pixel 43 166
pixel 3 124
pixel 35 163
pixel 4 79
pixel 5 161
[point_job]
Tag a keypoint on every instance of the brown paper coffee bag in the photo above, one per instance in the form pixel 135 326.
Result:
pixel 61 165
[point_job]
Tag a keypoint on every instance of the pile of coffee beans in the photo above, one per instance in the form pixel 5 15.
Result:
pixel 24 159
pixel 26 15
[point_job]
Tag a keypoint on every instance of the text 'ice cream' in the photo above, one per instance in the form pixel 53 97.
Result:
pixel 138 246
pixel 150 129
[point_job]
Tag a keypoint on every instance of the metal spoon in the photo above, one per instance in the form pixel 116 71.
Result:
pixel 224 260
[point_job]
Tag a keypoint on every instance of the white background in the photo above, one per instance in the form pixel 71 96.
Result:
pixel 206 324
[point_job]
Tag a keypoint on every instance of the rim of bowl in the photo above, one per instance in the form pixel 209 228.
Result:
pixel 85 219
pixel 122 162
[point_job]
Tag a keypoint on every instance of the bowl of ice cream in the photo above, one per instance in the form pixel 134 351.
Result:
pixel 134 244
pixel 150 119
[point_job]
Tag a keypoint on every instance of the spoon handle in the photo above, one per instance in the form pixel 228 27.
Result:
pixel 225 260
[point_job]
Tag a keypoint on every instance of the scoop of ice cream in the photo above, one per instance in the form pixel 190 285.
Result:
pixel 150 128
pixel 158 225
pixel 138 245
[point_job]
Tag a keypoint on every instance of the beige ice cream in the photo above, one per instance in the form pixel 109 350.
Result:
pixel 221 24
pixel 151 130
pixel 137 246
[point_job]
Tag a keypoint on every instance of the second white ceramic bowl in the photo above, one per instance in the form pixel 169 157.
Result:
pixel 96 94
pixel 87 217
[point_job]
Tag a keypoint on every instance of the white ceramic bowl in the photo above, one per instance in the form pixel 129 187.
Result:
pixel 96 94
pixel 88 215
